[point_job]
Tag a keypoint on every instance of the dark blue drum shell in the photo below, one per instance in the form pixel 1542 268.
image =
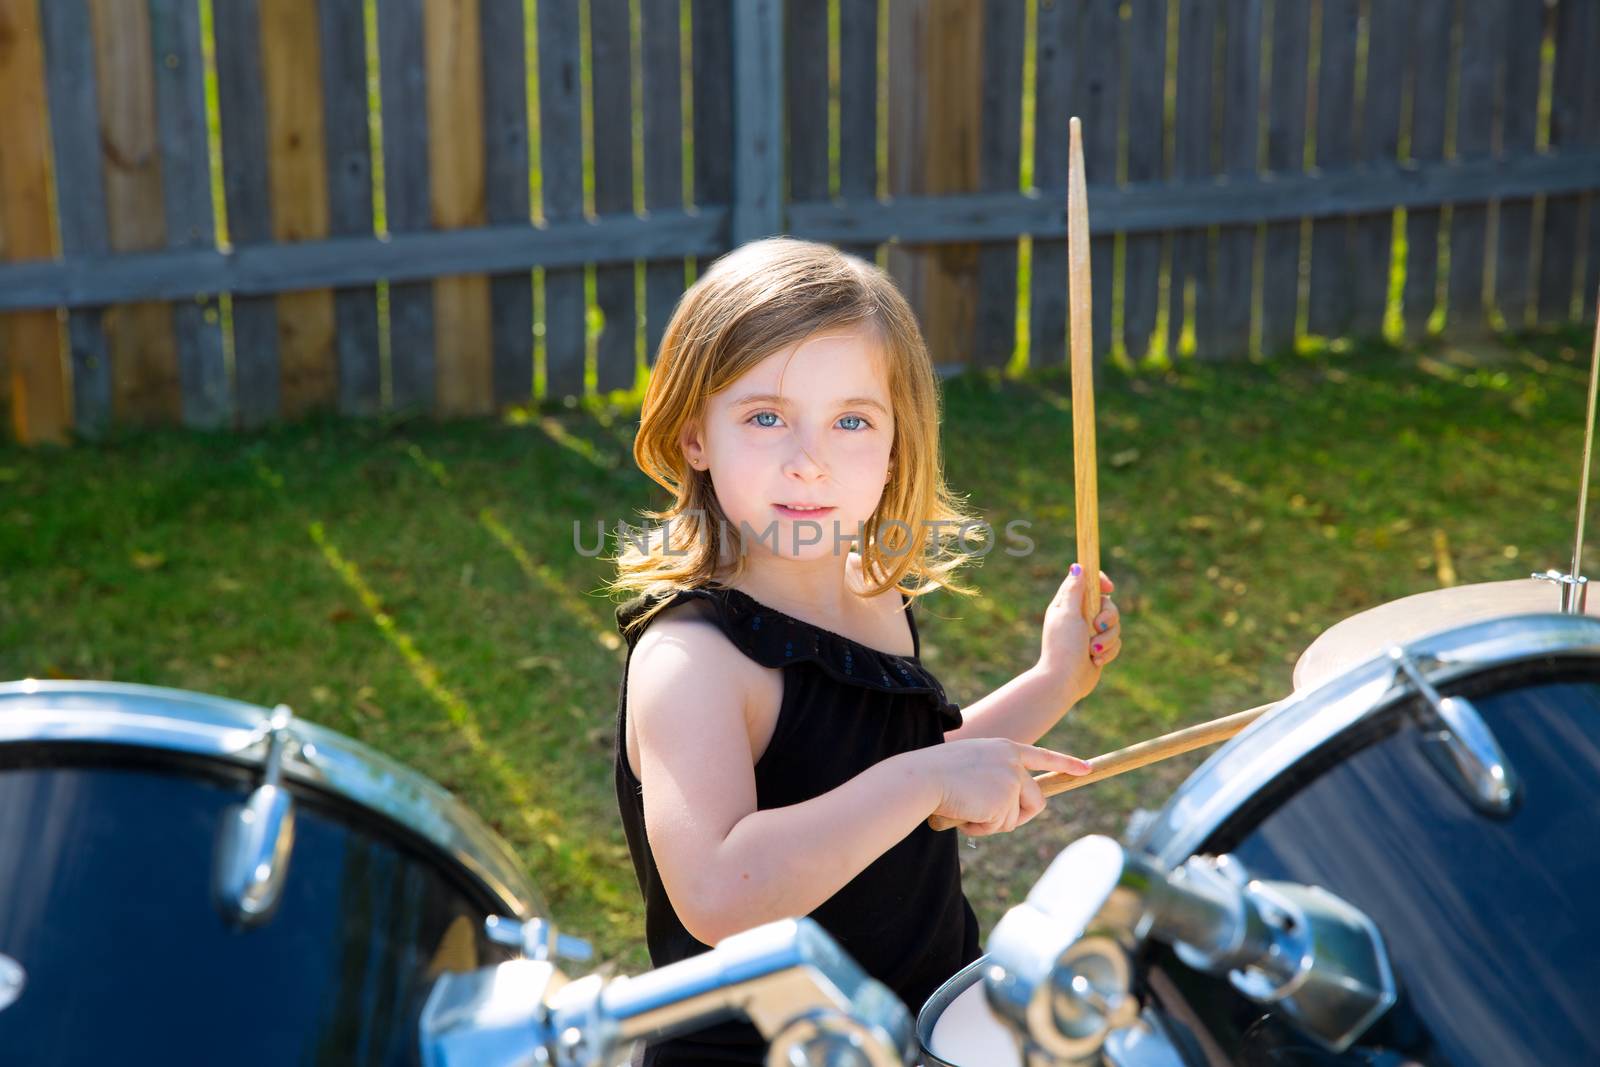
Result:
pixel 1491 924
pixel 106 858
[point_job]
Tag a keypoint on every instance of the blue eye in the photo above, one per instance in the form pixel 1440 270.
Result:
pixel 759 414
pixel 864 423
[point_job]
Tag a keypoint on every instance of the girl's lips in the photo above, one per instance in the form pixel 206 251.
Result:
pixel 813 513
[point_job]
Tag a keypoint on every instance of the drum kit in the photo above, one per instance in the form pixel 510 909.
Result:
pixel 1393 865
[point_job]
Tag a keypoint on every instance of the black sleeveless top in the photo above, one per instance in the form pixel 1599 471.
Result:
pixel 846 706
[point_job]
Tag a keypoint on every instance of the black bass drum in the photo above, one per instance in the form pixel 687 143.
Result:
pixel 191 880
pixel 1450 790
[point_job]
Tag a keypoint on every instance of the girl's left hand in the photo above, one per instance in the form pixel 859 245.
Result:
pixel 1069 649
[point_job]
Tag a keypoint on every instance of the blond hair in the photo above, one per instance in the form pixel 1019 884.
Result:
pixel 759 299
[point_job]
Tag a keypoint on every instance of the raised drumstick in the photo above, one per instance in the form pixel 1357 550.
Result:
pixel 1079 293
pixel 1141 755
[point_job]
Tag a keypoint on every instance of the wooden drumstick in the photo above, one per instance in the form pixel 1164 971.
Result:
pixel 1140 755
pixel 1079 293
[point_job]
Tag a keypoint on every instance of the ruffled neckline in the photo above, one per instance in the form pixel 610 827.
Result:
pixel 776 639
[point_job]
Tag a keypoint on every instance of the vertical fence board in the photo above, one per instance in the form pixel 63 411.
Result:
pixel 349 179
pixel 999 170
pixel 758 119
pixel 501 31
pixel 186 187
pixel 1286 142
pixel 1047 298
pixel 934 70
pixel 561 159
pixel 1094 63
pixel 241 98
pixel 79 196
pixel 712 88
pixel 1482 23
pixel 1589 290
pixel 1332 258
pixel 463 330
pixel 1192 162
pixel 144 357
pixel 1146 38
pixel 1558 254
pixel 1430 71
pixel 616 350
pixel 297 165
pixel 41 409
pixel 402 76
pixel 805 92
pixel 858 106
pixel 1373 234
pixel 1523 38
pixel 1236 245
pixel 661 40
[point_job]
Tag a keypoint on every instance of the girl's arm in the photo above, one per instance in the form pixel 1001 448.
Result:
pixel 727 866
pixel 1070 660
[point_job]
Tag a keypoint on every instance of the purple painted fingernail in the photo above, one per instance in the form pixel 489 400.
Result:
pixel 1098 648
pixel 1076 570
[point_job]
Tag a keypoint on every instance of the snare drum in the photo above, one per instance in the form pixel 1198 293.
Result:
pixel 126 812
pixel 956 1028
pixel 1485 897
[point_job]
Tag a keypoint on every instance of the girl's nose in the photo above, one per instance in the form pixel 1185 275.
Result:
pixel 802 462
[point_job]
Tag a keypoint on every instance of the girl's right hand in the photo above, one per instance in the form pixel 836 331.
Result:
pixel 986 784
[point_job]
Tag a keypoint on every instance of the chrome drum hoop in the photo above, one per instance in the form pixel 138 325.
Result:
pixel 159 718
pixel 1305 721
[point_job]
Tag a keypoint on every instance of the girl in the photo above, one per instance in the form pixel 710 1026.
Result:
pixel 780 744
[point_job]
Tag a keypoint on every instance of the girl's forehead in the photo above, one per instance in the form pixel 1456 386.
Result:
pixel 842 363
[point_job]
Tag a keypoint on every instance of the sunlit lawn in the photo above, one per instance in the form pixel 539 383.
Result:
pixel 417 585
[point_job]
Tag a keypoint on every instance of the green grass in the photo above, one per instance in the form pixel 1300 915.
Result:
pixel 416 585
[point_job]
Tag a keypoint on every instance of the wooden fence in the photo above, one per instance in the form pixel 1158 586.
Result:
pixel 226 213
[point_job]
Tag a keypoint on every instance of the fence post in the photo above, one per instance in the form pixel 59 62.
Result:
pixel 757 120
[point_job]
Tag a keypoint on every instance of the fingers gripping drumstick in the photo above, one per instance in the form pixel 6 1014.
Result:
pixel 1140 755
pixel 1079 293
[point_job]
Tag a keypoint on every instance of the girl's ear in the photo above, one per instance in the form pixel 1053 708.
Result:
pixel 689 441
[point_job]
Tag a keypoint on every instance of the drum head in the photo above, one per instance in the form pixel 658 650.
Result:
pixel 956 1027
pixel 1360 637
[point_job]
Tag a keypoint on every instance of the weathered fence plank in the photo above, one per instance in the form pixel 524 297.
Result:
pixel 1482 24
pixel 1372 236
pixel 858 107
pixel 1430 72
pixel 758 119
pixel 561 159
pixel 1146 51
pixel 1096 98
pixel 40 407
pixel 463 326
pixel 241 98
pixel 407 197
pixel 999 168
pixel 349 166
pixel 1052 80
pixel 934 70
pixel 1286 143
pixel 144 366
pixel 501 31
pixel 1333 262
pixel 1558 253
pixel 298 171
pixel 80 197
pixel 186 190
pixel 1191 260
pixel 1523 38
pixel 616 349
pixel 1236 245
pixel 661 41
